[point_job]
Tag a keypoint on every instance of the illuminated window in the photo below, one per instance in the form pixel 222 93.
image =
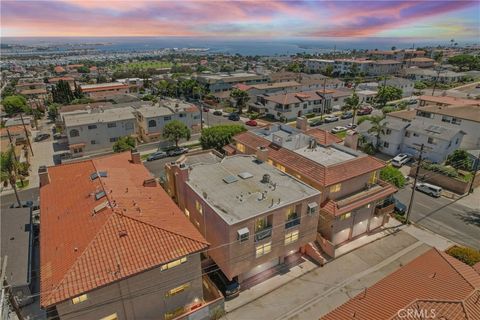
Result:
pixel 336 188
pixel 345 216
pixel 199 207
pixel 174 313
pixel 291 237
pixel 187 213
pixel 280 167
pixel 173 264
pixel 79 299
pixel 270 162
pixel 373 177
pixel 240 147
pixel 110 317
pixel 177 290
pixel 263 249
pixel 298 176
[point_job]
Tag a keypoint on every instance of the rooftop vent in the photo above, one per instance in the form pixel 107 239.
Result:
pixel 266 178
pixel 100 195
pixel 103 174
pixel 94 176
pixel 100 207
pixel 230 179
pixel 245 175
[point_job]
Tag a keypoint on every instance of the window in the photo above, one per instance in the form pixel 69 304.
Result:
pixel 173 264
pixel 152 123
pixel 345 216
pixel 114 139
pixel 110 317
pixel 312 208
pixel 446 119
pixel 187 213
pixel 199 207
pixel 456 141
pixel 280 167
pixel 177 290
pixel 240 147
pixel 415 134
pixel 79 299
pixel 388 131
pixel 167 118
pixel 111 125
pixel 456 121
pixel 74 133
pixel 270 162
pixel 386 144
pixel 243 234
pixel 373 177
pixel 92 126
pixel 182 115
pixel 129 125
pixel 431 140
pixel 407 134
pixel 336 188
pixel 93 142
pixel 291 237
pixel 263 249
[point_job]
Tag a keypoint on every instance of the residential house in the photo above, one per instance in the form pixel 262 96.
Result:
pixel 98 129
pixel 443 101
pixel 283 76
pixel 152 119
pixel 445 76
pixel 113 245
pixel 398 55
pixel 420 62
pixel 253 215
pixel 406 85
pixel 345 66
pixel 102 91
pixel 432 286
pixel 352 195
pixel 216 82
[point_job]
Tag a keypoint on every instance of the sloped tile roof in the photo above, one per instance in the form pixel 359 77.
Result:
pixel 324 175
pixel 323 137
pixel 139 227
pixel 432 280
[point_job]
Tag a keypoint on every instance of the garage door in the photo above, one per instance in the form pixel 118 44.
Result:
pixel 376 222
pixel 260 268
pixel 341 236
pixel 359 227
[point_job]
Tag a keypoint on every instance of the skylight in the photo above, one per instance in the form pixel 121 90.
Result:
pixel 100 195
pixel 94 176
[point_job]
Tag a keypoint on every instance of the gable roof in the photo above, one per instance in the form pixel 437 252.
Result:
pixel 432 280
pixel 324 175
pixel 135 228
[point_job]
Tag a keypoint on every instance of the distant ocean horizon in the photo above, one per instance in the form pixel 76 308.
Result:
pixel 264 47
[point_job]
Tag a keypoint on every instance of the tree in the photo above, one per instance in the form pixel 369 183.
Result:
pixel 62 93
pixel 393 175
pixel 124 144
pixel 352 103
pixel 328 71
pixel 296 67
pixel 15 104
pixel 9 170
pixel 176 130
pixel 419 85
pixel 52 111
pixel 83 69
pixel 438 56
pixel 388 93
pixel 465 62
pixel 460 159
pixel 378 127
pixel 217 137
pixel 241 98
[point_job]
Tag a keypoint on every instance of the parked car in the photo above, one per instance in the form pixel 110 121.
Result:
pixel 347 115
pixel 331 118
pixel 351 126
pixel 364 111
pixel 57 136
pixel 177 151
pixel 339 129
pixel 251 123
pixel 400 160
pixel 217 113
pixel 316 122
pixel 205 109
pixel 429 189
pixel 400 207
pixel 229 288
pixel 41 137
pixel 413 101
pixel 234 116
pixel 24 204
pixel 157 155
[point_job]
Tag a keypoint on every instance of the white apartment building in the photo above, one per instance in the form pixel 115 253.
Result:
pixel 444 76
pixel 344 66
pixel 152 119
pixel 96 130
pixel 217 82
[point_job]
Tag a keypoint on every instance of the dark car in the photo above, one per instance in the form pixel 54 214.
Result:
pixel 41 137
pixel 229 288
pixel 157 155
pixel 217 113
pixel 316 122
pixel 234 117
pixel 400 208
pixel 177 152
pixel 347 115
pixel 24 204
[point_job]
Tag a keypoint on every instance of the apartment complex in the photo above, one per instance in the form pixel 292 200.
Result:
pixel 398 55
pixel 344 66
pixel 102 91
pixel 217 82
pixel 444 76
pixel 152 119
pixel 407 86
pixel 352 195
pixel 97 129
pixel 115 246
pixel 260 213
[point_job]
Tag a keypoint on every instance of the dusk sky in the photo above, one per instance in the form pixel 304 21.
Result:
pixel 236 19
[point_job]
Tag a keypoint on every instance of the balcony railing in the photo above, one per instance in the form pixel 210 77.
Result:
pixel 386 207
pixel 263 234
pixel 293 221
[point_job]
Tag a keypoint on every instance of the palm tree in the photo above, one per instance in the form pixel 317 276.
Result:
pixel 352 103
pixel 241 97
pixel 9 170
pixel 378 127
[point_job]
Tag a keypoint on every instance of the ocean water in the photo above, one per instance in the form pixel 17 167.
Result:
pixel 268 47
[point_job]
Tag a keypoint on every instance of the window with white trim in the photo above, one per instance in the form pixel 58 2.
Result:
pixel 263 249
pixel 80 299
pixel 291 237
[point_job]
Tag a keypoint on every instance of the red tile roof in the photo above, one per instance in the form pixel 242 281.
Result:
pixel 323 137
pixel 138 229
pixel 59 69
pixel 433 280
pixel 242 86
pixel 323 175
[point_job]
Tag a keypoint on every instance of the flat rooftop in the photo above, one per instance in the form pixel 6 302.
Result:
pixel 97 116
pixel 234 187
pixel 325 156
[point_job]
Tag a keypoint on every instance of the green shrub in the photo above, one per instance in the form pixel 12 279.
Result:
pixel 369 148
pixel 467 255
pixel 393 175
pixel 217 137
pixel 445 170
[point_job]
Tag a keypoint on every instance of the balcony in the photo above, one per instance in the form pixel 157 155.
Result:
pixel 292 221
pixel 263 234
pixel 386 207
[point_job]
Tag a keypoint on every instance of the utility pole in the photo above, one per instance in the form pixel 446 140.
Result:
pixel 475 169
pixel 435 82
pixel 26 134
pixel 324 99
pixel 412 196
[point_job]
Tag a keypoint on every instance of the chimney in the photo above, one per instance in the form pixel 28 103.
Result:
pixel 351 140
pixel 262 154
pixel 136 157
pixel 43 175
pixel 302 123
pixel 150 182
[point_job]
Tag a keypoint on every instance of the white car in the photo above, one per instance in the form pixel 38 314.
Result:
pixel 400 160
pixel 339 129
pixel 330 118
pixel 351 126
